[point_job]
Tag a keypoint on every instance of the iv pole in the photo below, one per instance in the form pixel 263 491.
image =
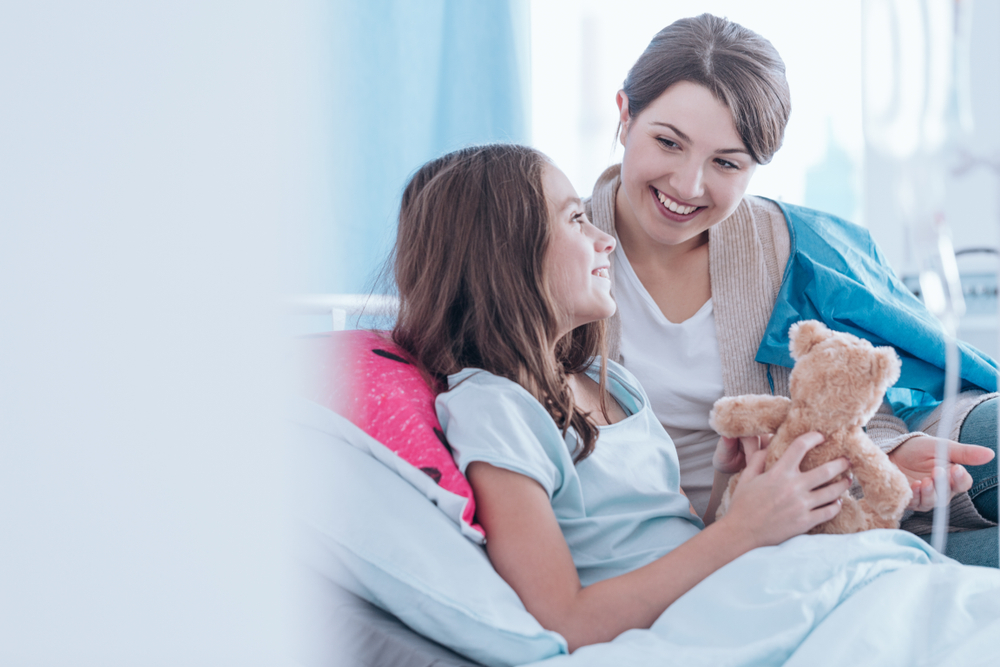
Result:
pixel 916 108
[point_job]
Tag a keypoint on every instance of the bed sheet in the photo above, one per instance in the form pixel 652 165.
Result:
pixel 336 628
pixel 877 598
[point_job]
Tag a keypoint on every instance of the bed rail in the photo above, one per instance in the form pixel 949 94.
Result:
pixel 340 306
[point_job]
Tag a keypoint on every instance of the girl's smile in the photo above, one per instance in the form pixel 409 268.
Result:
pixel 578 259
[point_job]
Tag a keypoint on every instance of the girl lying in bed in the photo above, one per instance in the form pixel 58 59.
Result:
pixel 504 291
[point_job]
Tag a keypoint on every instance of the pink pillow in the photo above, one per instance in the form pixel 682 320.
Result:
pixel 363 376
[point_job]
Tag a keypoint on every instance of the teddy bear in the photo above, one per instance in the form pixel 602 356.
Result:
pixel 836 386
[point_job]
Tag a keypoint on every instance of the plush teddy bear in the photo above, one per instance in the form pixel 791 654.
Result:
pixel 837 384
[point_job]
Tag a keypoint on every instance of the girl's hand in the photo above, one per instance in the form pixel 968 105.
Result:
pixel 771 507
pixel 915 459
pixel 731 454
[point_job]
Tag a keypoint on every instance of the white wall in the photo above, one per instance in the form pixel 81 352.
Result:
pixel 156 159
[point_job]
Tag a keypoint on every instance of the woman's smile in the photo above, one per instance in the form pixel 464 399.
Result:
pixel 673 209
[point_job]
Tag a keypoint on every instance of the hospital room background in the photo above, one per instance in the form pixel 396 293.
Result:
pixel 185 185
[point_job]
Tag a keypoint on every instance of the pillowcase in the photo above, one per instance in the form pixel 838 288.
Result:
pixel 377 536
pixel 368 379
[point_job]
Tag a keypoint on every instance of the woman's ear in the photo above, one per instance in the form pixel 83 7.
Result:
pixel 623 117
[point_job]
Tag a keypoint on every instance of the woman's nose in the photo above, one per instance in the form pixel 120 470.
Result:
pixel 688 181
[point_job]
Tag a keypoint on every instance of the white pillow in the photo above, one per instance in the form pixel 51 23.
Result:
pixel 373 533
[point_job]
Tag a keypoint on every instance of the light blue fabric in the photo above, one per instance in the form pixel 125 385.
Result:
pixel 367 529
pixel 619 509
pixel 411 81
pixel 837 275
pixel 877 598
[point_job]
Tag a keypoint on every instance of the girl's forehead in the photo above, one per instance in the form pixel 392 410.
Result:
pixel 557 187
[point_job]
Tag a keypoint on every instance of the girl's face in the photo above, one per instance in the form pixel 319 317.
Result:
pixel 577 260
pixel 685 167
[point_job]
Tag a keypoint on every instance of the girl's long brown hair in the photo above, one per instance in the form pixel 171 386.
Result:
pixel 468 265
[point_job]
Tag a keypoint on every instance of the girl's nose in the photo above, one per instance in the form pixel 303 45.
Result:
pixel 604 242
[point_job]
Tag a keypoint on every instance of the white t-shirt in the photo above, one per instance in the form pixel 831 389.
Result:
pixel 679 367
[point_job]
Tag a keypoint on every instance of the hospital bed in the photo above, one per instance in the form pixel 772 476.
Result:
pixel 390 578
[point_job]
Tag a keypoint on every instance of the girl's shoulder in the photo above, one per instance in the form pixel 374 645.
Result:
pixel 618 373
pixel 476 388
pixel 481 382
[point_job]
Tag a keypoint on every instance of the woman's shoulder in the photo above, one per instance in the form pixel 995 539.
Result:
pixel 600 206
pixel 767 215
pixel 757 226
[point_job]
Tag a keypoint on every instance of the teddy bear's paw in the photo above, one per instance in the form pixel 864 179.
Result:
pixel 890 496
pixel 887 510
pixel 728 416
pixel 850 519
pixel 750 414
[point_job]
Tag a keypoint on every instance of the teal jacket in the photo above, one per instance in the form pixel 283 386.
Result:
pixel 837 275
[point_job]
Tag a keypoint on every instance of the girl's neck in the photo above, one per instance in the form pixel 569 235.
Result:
pixel 587 396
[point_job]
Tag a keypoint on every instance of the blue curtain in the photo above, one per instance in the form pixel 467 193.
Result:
pixel 412 79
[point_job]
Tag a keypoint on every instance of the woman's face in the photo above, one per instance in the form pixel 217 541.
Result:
pixel 577 259
pixel 685 167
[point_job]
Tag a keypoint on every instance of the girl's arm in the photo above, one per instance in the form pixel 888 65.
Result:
pixel 528 550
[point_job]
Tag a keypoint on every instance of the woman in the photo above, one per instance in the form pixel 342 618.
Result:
pixel 503 286
pixel 708 280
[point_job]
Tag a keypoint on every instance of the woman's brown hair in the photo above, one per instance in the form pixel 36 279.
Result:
pixel 741 68
pixel 468 265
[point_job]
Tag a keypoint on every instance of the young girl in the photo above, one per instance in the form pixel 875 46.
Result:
pixel 708 280
pixel 504 290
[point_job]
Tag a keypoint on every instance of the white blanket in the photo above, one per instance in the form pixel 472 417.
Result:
pixel 877 598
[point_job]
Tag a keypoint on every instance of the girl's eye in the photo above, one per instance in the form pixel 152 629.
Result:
pixel 726 164
pixel 667 143
pixel 579 217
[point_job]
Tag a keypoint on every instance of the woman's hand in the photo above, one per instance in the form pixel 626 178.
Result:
pixel 731 454
pixel 771 507
pixel 915 459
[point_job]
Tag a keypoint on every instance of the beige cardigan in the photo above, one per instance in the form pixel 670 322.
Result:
pixel 747 253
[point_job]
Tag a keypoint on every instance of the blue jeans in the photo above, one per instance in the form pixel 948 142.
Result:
pixel 973 547
pixel 979 547
pixel 980 428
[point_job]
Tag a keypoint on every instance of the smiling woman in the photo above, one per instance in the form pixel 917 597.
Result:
pixel 705 276
pixel 685 169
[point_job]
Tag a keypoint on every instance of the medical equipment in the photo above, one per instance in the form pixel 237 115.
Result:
pixel 916 106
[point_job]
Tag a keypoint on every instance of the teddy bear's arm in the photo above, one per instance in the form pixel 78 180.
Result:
pixel 735 416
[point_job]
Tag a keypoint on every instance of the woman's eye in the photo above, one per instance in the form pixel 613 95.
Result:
pixel 726 164
pixel 667 143
pixel 579 217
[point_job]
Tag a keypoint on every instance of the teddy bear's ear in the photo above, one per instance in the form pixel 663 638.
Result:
pixel 887 365
pixel 804 335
